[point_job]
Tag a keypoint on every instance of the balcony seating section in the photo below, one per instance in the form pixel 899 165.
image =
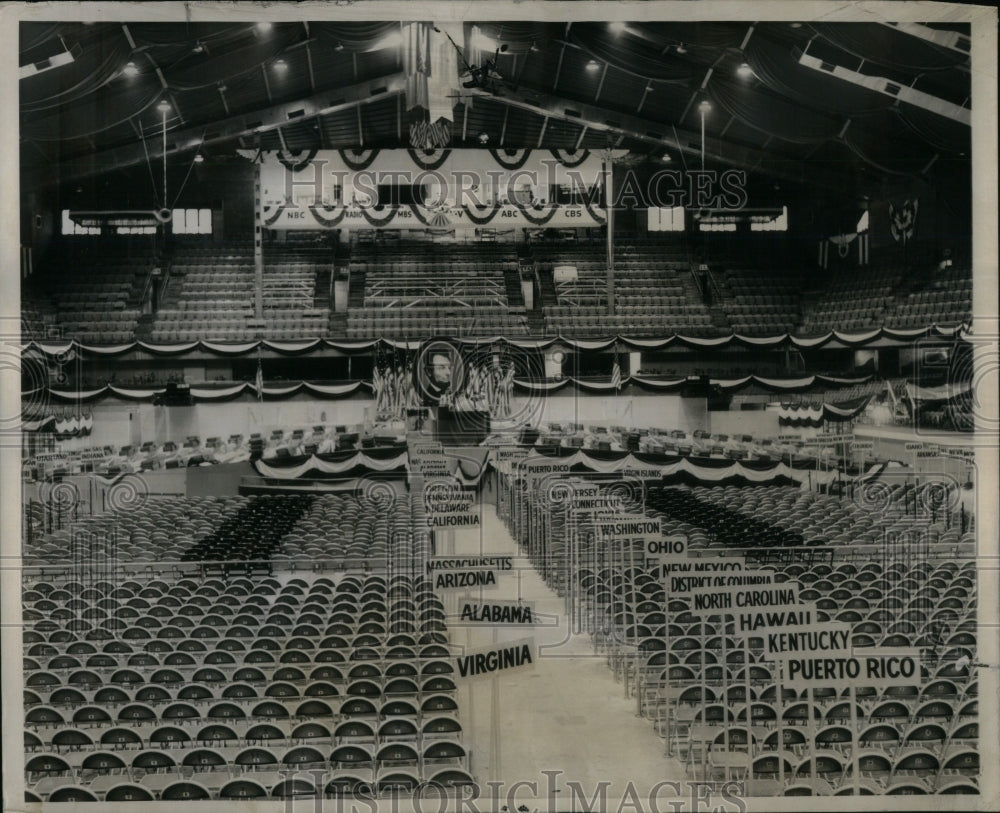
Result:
pixel 92 286
pixel 211 688
pixel 759 302
pixel 216 295
pixel 290 288
pixel 91 291
pixel 853 300
pixel 416 288
pixel 654 293
pixel 38 318
pixel 946 301
pixel 216 298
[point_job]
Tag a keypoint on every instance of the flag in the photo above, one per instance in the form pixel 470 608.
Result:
pixel 378 385
pixel 259 381
pixel 616 374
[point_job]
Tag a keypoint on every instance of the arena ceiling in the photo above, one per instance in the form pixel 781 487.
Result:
pixel 800 101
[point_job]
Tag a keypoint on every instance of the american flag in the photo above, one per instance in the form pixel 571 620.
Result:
pixel 616 374
pixel 378 384
pixel 259 380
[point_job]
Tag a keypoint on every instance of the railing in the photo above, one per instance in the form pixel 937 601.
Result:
pixel 581 292
pixel 298 293
pixel 717 294
pixel 464 293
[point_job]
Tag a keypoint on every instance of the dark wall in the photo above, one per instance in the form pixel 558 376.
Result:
pixel 224 185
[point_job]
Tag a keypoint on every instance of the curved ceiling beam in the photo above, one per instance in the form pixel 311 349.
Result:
pixel 688 141
pixel 246 124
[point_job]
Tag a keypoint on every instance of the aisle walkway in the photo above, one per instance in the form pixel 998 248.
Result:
pixel 568 713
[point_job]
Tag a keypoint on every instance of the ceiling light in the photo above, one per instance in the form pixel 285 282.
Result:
pixel 592 65
pixel 617 28
pixel 796 25
pixel 280 65
pixel 483 138
pixel 198 48
pixel 666 158
pixel 744 71
pixel 681 49
pixel 705 105
pixel 130 69
pixel 199 158
pixel 338 47
pixel 164 106
pixel 264 26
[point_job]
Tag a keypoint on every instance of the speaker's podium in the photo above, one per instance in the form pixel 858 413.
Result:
pixel 465 427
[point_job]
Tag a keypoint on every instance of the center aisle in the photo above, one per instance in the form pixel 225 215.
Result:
pixel 565 714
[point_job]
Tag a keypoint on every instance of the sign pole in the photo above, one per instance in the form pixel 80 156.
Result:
pixel 812 732
pixel 725 690
pixel 704 693
pixel 624 637
pixel 749 705
pixel 495 723
pixel 635 614
pixel 779 704
pixel 665 572
pixel 468 647
pixel 854 741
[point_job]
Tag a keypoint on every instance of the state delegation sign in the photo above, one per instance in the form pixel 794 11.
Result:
pixel 799 640
pixel 500 657
pixel 494 614
pixel 877 667
pixel 450 572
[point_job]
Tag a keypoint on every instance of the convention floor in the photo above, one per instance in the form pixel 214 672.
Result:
pixel 566 714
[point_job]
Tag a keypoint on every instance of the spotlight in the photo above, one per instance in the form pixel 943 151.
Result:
pixel 130 69
pixel 744 71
